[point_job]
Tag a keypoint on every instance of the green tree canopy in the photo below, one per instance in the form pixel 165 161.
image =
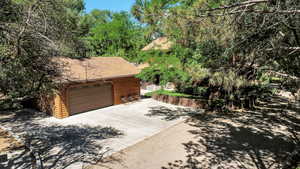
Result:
pixel 118 35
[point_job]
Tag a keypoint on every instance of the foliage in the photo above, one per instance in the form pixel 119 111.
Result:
pixel 31 34
pixel 151 12
pixel 117 35
pixel 198 73
pixel 88 21
pixel 229 45
pixel 266 78
pixel 259 38
pixel 71 44
pixel 163 68
pixel 197 81
pixel 228 81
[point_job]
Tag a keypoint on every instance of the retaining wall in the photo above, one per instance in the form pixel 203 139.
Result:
pixel 181 101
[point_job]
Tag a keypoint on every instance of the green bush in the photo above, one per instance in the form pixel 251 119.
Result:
pixel 201 91
pixel 218 104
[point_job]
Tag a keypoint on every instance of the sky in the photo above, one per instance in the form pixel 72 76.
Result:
pixel 113 5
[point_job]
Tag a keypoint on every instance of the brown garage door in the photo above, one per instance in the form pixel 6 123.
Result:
pixel 85 98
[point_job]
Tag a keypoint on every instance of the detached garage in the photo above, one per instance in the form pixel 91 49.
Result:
pixel 93 83
pixel 90 97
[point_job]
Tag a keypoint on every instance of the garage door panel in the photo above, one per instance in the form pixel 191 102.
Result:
pixel 78 103
pixel 90 90
pixel 84 98
pixel 90 97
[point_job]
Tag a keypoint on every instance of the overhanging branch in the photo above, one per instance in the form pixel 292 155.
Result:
pixel 242 4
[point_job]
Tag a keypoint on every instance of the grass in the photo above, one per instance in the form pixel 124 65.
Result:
pixel 171 93
pixel 276 80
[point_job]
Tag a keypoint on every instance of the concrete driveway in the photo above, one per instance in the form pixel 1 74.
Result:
pixel 134 120
pixel 86 138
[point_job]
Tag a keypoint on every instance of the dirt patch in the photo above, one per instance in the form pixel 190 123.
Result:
pixel 7 142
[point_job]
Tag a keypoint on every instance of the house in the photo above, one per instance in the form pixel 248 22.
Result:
pixel 143 66
pixel 162 44
pixel 92 83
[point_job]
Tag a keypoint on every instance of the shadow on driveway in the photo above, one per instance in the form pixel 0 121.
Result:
pixel 59 146
pixel 173 114
pixel 263 138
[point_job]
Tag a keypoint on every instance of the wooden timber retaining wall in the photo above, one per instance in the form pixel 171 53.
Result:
pixel 181 101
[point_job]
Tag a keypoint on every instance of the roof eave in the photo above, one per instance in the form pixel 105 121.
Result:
pixel 66 81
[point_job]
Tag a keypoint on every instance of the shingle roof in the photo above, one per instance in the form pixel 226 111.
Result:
pixel 95 68
pixel 161 43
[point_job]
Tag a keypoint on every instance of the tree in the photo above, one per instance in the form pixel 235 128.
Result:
pixel 90 20
pixel 31 35
pixel 164 68
pixel 118 36
pixel 72 44
pixel 233 42
pixel 265 37
pixel 263 32
pixel 151 12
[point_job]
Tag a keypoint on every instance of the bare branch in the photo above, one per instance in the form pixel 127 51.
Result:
pixel 285 48
pixel 277 11
pixel 243 4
